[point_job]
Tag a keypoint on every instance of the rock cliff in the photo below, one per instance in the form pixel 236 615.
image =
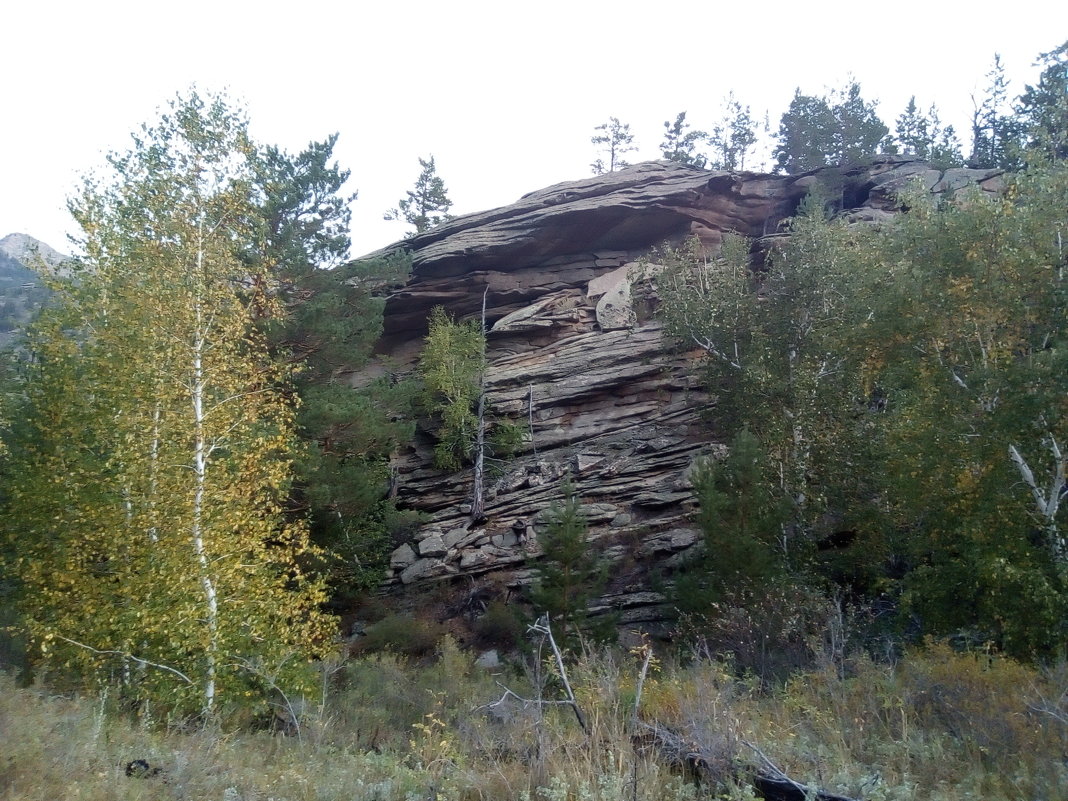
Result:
pixel 574 360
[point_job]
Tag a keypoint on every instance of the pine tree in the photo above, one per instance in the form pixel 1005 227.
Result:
pixel 827 131
pixel 328 325
pixel 614 141
pixel 681 144
pixel 154 393
pixel 1043 108
pixel 995 131
pixel 304 216
pixel 428 204
pixel 805 134
pixel 922 135
pixel 734 136
pixel 570 573
pixel 860 133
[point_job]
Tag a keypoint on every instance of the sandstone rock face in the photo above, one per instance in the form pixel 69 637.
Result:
pixel 578 362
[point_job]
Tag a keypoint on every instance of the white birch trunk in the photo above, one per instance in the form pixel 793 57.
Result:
pixel 200 473
pixel 478 498
pixel 1047 501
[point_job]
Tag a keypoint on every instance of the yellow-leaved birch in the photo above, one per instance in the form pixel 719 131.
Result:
pixel 187 438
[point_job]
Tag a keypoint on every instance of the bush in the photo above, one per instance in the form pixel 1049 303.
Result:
pixel 770 632
pixel 403 635
pixel 500 626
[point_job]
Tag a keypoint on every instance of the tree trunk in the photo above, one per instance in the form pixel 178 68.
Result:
pixel 200 473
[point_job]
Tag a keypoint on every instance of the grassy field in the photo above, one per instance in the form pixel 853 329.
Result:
pixel 936 725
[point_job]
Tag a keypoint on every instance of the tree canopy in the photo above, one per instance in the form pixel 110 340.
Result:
pixel 427 204
pixel 150 480
pixel 906 385
pixel 614 141
pixel 828 130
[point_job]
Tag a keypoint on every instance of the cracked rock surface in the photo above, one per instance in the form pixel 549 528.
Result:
pixel 577 360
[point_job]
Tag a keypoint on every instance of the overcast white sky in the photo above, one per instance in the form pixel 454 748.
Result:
pixel 505 95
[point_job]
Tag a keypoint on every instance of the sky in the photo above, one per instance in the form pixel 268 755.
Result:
pixel 504 95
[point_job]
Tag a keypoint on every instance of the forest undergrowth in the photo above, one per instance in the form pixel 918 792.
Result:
pixel 935 724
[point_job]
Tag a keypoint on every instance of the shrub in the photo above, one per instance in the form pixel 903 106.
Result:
pixel 404 635
pixel 500 626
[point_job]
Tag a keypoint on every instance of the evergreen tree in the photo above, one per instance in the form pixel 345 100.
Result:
pixel 614 141
pixel 428 204
pixel 922 135
pixel 162 554
pixel 805 134
pixel 832 130
pixel 342 479
pixel 304 215
pixel 681 144
pixel 570 574
pixel 741 517
pixel 860 132
pixel 734 136
pixel 331 319
pixel 995 130
pixel 1043 108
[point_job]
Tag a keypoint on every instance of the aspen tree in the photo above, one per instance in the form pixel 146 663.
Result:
pixel 168 427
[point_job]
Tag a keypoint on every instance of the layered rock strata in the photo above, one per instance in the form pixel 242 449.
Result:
pixel 578 362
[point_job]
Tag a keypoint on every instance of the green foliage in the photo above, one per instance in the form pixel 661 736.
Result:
pixel 834 129
pixel 776 364
pixel 570 573
pixel 342 476
pixel 451 366
pixel 427 204
pixel 922 135
pixel 733 136
pixel 304 219
pixel 741 517
pixel 148 483
pixel 1043 108
pixel 906 384
pixel 404 635
pixel 500 626
pixel 970 351
pixel 681 144
pixel 614 141
pixel 995 129
pixel 330 321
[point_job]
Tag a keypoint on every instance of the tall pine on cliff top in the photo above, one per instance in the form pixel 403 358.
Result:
pixel 830 130
pixel 427 204
pixel 149 491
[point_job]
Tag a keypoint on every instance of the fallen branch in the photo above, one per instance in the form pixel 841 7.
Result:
pixel 774 785
pixel 542 627
pixel 713 770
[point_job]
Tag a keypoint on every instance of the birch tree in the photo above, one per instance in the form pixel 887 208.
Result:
pixel 908 385
pixel 965 338
pixel 156 396
pixel 775 359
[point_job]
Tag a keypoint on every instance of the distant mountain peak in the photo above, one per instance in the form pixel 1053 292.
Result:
pixel 23 247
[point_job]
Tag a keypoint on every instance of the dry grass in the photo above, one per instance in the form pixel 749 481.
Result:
pixel 940 725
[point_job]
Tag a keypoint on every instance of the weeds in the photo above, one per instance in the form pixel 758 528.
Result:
pixel 939 725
